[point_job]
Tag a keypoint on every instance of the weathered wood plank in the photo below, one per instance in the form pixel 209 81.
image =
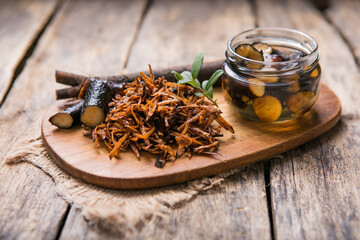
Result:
pixel 315 188
pixel 236 210
pixel 30 207
pixel 345 16
pixel 173 33
pixel 21 21
pixel 83 35
pixel 76 227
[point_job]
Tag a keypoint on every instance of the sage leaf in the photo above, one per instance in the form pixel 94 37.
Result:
pixel 213 79
pixel 188 81
pixel 193 83
pixel 198 82
pixel 184 81
pixel 177 75
pixel 186 75
pixel 209 92
pixel 190 78
pixel 195 69
pixel 204 84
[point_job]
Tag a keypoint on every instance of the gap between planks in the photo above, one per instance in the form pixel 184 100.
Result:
pixel 29 51
pixel 267 172
pixel 62 221
pixel 33 45
pixel 343 37
pixel 146 9
pixel 266 163
pixel 18 70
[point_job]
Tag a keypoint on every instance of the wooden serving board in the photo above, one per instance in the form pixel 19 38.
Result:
pixel 252 142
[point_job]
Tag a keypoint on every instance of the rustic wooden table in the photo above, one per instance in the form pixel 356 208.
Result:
pixel 311 192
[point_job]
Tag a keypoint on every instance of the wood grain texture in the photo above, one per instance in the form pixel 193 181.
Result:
pixel 76 227
pixel 315 188
pixel 252 142
pixel 162 27
pixel 76 38
pixel 345 16
pixel 21 22
pixel 30 207
pixel 219 213
pixel 27 196
pixel 174 32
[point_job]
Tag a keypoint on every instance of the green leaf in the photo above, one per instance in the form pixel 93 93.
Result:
pixel 177 75
pixel 204 84
pixel 214 78
pixel 186 75
pixel 199 93
pixel 198 82
pixel 188 81
pixel 209 92
pixel 184 81
pixel 197 65
pixel 193 83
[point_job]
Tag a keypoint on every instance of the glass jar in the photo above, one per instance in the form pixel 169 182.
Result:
pixel 282 86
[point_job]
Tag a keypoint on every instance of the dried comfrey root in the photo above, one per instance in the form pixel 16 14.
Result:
pixel 67 117
pixel 160 117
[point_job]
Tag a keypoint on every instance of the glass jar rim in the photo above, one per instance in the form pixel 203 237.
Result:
pixel 314 50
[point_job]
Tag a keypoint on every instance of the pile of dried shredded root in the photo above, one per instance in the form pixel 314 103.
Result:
pixel 160 117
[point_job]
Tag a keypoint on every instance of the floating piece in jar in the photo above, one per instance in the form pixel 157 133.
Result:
pixel 293 81
pixel 256 87
pixel 291 77
pixel 294 87
pixel 250 52
pixel 307 68
pixel 267 108
pixel 300 101
pixel 273 58
pixel 299 54
pixel 245 98
pixel 225 83
pixel 96 99
pixel 68 117
pixel 315 73
pixel 263 47
pixel 270 77
pixel 226 95
pixel 288 54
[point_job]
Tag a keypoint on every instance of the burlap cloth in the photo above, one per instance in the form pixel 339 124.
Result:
pixel 122 209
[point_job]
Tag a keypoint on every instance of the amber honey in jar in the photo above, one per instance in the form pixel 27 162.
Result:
pixel 271 74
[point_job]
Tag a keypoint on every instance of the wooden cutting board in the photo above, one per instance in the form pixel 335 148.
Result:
pixel 252 142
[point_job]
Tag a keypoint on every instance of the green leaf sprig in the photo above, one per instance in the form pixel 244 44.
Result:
pixel 190 78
